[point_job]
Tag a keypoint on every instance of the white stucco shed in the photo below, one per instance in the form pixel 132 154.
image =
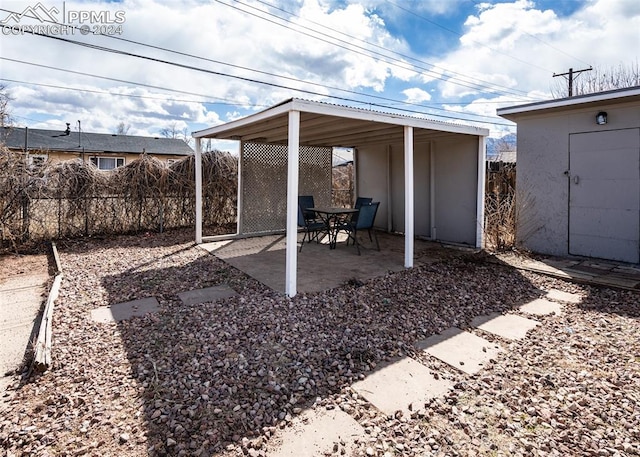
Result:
pixel 427 175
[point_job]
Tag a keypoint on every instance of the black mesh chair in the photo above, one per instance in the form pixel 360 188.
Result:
pixel 305 202
pixel 366 218
pixel 360 201
pixel 313 230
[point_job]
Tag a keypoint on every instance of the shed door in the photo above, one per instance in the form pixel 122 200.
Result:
pixel 604 195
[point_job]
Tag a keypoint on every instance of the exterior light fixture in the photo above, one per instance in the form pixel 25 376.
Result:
pixel 601 118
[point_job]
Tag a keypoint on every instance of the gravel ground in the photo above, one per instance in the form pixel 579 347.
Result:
pixel 221 378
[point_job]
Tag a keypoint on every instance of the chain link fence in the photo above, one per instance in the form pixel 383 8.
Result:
pixel 72 198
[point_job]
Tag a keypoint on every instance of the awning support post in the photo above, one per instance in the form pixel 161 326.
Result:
pixel 198 172
pixel 482 165
pixel 292 204
pixel 408 197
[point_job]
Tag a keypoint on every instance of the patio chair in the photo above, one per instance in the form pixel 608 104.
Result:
pixel 366 217
pixel 360 201
pixel 312 228
pixel 306 201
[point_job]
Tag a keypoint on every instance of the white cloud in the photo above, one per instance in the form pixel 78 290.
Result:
pixel 416 95
pixel 514 46
pixel 518 47
pixel 230 34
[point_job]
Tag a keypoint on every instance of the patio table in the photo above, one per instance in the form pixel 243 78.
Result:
pixel 332 216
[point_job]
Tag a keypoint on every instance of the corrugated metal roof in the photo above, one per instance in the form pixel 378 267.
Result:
pixel 325 124
pixel 57 140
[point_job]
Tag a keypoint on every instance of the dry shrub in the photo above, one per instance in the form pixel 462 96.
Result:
pixel 74 198
pixel 76 182
pixel 19 182
pixel 500 208
pixel 141 186
pixel 509 212
pixel 219 186
pixel 343 178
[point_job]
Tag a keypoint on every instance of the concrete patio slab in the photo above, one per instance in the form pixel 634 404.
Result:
pixel 316 433
pixel 565 297
pixel 462 350
pixel 541 307
pixel 403 384
pixel 321 268
pixel 127 310
pixel 208 294
pixel 507 326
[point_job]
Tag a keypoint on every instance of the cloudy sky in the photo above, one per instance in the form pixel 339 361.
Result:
pixel 189 65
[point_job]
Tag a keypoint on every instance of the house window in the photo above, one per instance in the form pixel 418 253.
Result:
pixel 107 163
pixel 37 160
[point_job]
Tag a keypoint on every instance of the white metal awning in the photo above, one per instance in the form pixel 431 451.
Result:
pixel 324 124
pixel 297 122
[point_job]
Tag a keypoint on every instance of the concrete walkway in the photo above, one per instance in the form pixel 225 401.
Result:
pixel 580 270
pixel 21 298
pixel 404 385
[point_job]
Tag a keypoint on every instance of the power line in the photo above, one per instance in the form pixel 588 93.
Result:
pixel 349 45
pixel 190 67
pixel 217 73
pixel 460 35
pixel 118 94
pixel 476 85
pixel 222 101
pixel 488 120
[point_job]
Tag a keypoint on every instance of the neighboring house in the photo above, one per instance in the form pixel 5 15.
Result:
pixel 104 150
pixel 578 179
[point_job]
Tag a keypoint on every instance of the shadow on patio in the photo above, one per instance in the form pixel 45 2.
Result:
pixel 321 268
pixel 213 373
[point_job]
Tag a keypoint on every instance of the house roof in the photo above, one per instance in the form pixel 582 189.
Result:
pixel 57 140
pixel 625 95
pixel 324 124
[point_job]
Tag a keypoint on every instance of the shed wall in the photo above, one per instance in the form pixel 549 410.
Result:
pixel 543 158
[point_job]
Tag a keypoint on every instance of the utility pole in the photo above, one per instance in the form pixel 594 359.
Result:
pixel 571 73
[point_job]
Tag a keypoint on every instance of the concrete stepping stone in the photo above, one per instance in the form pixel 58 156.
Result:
pixel 126 310
pixel 541 307
pixel 316 433
pixel 208 294
pixel 507 326
pixel 565 297
pixel 404 385
pixel 462 350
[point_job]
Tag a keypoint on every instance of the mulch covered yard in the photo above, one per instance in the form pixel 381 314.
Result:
pixel 220 378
